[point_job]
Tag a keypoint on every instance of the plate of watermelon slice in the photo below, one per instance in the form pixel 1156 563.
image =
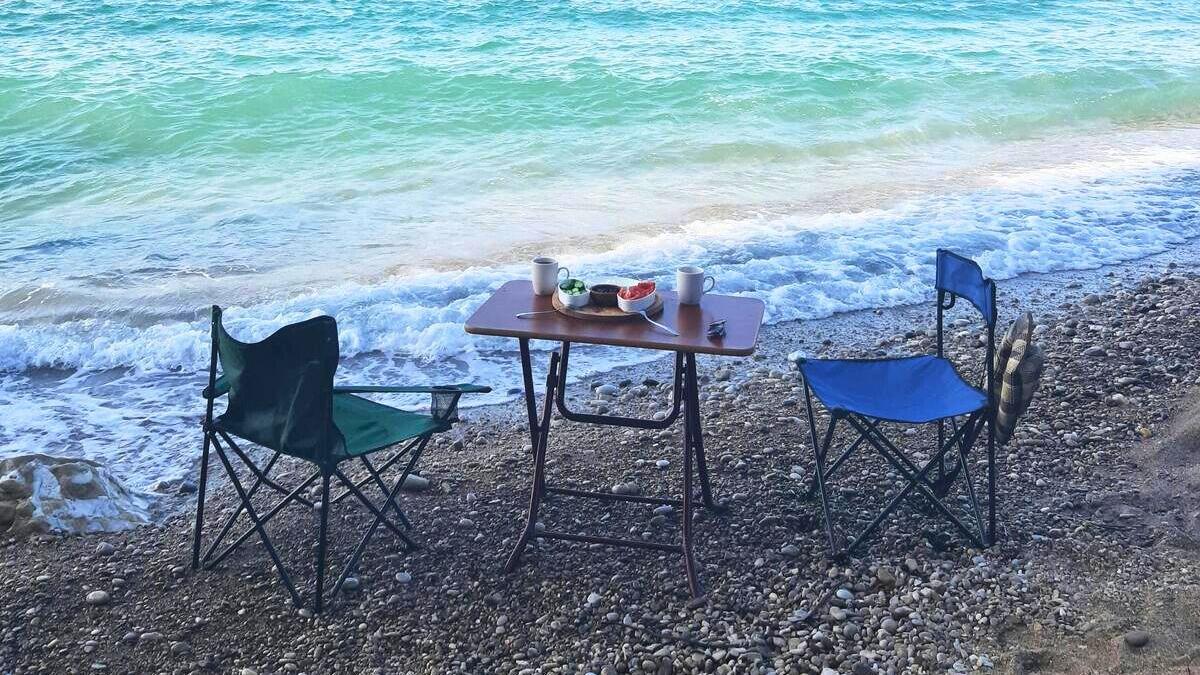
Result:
pixel 637 298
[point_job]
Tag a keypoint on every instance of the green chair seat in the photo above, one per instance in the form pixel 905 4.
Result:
pixel 368 426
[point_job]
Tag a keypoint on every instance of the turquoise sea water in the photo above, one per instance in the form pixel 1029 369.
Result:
pixel 389 163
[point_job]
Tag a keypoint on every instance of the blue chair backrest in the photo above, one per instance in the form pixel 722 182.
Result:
pixel 963 277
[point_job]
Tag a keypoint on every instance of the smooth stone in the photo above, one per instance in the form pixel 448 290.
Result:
pixel 886 577
pixel 403 577
pixel 106 549
pixel 98 598
pixel 415 483
pixel 626 489
pixel 350 584
pixel 1137 638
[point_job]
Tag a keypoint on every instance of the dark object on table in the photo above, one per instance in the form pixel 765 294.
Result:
pixel 605 295
pixel 280 395
pixel 716 330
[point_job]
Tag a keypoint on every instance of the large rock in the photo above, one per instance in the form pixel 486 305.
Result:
pixel 40 493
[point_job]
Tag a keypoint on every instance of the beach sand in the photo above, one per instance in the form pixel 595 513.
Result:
pixel 1099 507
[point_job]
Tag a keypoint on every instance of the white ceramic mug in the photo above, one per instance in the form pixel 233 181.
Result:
pixel 691 284
pixel 545 275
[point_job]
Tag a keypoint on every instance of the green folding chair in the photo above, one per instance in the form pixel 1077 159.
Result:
pixel 280 395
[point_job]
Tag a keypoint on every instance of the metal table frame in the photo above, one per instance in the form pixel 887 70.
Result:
pixel 685 398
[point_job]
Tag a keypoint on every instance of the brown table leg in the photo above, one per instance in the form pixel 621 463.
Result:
pixel 530 401
pixel 693 448
pixel 689 451
pixel 540 433
pixel 687 397
pixel 695 438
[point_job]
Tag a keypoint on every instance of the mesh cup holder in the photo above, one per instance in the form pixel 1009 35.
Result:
pixel 444 404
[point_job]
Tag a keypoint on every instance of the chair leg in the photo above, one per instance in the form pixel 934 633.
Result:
pixel 382 468
pixel 918 480
pixel 378 480
pixel 375 511
pixel 211 562
pixel 991 422
pixel 837 464
pixel 322 536
pixel 819 479
pixel 259 525
pixel 228 524
pixel 356 556
pixel 819 452
pixel 261 474
pixel 198 529
pixel 970 480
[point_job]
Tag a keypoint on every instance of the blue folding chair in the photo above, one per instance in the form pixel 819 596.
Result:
pixel 863 393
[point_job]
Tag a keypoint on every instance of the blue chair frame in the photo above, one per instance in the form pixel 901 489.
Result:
pixel 957 277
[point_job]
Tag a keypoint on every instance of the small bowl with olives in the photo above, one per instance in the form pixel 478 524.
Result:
pixel 605 295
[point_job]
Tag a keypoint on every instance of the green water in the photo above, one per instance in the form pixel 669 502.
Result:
pixel 418 116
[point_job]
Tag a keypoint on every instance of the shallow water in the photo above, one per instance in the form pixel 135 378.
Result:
pixel 391 163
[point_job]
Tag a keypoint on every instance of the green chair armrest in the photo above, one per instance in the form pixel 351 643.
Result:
pixel 460 388
pixel 222 388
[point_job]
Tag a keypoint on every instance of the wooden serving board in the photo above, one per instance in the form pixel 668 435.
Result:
pixel 595 313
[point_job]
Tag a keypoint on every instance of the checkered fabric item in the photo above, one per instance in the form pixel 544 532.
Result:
pixel 1018 372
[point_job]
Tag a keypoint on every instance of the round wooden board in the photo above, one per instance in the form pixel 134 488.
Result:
pixel 594 313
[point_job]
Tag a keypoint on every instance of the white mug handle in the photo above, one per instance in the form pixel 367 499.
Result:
pixel 710 286
pixel 563 269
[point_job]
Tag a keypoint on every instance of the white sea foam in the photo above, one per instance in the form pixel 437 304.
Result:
pixel 802 266
pixel 129 390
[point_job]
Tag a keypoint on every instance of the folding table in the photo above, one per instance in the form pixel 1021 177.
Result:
pixel 498 316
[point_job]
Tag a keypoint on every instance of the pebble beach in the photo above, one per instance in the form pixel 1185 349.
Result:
pixel 1095 570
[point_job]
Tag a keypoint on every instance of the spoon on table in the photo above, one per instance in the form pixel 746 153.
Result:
pixel 652 321
pixel 526 315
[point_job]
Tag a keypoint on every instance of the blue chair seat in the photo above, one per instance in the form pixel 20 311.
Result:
pixel 913 390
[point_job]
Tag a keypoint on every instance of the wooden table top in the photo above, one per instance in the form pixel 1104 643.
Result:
pixel 743 316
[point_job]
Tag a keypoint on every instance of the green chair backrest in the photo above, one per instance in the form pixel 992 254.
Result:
pixel 281 388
